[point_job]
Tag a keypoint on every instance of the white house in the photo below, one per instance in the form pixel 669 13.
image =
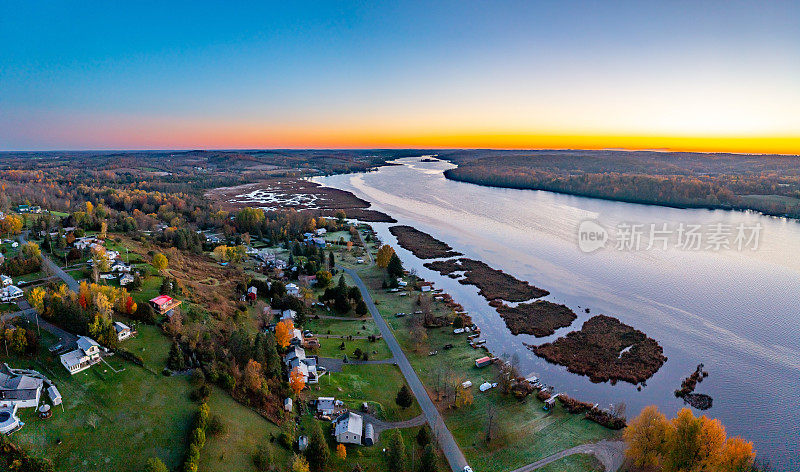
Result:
pixel 297 337
pixel 296 359
pixel 123 330
pixel 87 355
pixel 288 315
pixel 5 280
pixel 348 428
pixel 85 242
pixel 125 280
pixel 11 293
pixel 287 404
pixel 327 405
pixel 19 390
pixel 293 290
pixel 321 232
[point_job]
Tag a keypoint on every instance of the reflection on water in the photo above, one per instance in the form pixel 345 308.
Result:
pixel 737 312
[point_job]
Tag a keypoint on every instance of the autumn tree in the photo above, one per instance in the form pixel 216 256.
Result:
pixel 36 298
pixel 341 452
pixel 160 262
pixel 384 255
pixel 283 333
pixel 297 381
pixel 252 376
pixel 11 225
pixel 299 464
pixel 646 436
pixel 685 443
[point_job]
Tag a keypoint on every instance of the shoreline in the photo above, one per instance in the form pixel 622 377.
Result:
pixel 730 208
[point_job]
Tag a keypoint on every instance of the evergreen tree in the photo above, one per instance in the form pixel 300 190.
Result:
pixel 331 260
pixel 397 452
pixel 175 360
pixel 404 397
pixel 424 436
pixel 361 308
pixel 395 267
pixel 318 452
pixel 273 360
pixel 427 462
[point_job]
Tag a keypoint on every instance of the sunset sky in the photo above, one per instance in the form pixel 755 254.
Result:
pixel 697 75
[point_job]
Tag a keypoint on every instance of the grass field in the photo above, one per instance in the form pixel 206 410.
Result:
pixel 330 347
pixel 117 420
pixel 376 384
pixel 245 433
pixel 575 462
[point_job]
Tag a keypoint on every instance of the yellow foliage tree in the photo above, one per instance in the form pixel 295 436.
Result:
pixel 299 464
pixel 283 333
pixel 384 255
pixel 36 298
pixel 160 262
pixel 341 452
pixel 296 380
pixel 11 224
pixel 685 443
pixel 646 436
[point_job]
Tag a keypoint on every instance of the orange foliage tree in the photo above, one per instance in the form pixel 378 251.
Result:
pixel 283 333
pixel 685 443
pixel 296 380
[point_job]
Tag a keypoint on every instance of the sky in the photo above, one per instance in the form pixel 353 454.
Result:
pixel 694 75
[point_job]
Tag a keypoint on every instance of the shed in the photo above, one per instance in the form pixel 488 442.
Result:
pixel 483 361
pixel 54 394
pixel 550 403
pixel 369 435
pixel 466 384
pixel 287 404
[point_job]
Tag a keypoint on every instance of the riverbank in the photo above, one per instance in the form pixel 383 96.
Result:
pixel 422 245
pixel 297 194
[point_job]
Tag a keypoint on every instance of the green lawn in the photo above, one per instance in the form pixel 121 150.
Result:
pixel 574 462
pixel 245 432
pixel 342 327
pixel 116 420
pixel 376 384
pixel 330 347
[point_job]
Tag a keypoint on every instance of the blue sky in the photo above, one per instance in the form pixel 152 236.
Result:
pixel 263 74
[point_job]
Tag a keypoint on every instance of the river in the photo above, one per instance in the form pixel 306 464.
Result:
pixel 735 310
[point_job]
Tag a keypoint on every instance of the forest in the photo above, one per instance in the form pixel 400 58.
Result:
pixel 766 183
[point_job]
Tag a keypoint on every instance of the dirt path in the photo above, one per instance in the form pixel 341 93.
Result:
pixel 610 453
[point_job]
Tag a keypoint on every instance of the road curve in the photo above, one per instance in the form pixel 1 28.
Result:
pixel 610 453
pixel 448 444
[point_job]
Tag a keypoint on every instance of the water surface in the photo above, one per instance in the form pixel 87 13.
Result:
pixel 735 311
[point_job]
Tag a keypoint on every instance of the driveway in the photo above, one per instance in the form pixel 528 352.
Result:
pixel 448 444
pixel 610 453
pixel 67 339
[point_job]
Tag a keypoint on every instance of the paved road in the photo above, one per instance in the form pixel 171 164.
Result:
pixel 451 450
pixel 610 453
pixel 67 339
pixel 55 269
